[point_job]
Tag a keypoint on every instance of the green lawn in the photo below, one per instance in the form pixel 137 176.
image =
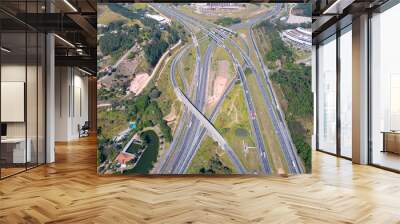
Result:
pixel 163 83
pixel 207 150
pixel 233 123
pixel 268 131
pixel 112 122
pixel 188 64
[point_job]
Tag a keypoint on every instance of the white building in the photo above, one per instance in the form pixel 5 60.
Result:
pixel 220 6
pixel 159 18
pixel 299 37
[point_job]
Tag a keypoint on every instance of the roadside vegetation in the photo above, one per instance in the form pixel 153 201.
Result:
pixel 292 82
pixel 227 21
pixel 121 107
pixel 145 111
pixel 302 9
pixel 206 158
pixel 153 37
pixel 215 166
pixel 233 123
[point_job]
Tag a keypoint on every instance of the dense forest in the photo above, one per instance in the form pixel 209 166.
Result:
pixel 295 82
pixel 278 50
pixel 155 37
pixel 118 38
pixel 139 15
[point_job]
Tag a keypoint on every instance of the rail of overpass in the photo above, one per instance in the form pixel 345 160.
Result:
pixel 214 134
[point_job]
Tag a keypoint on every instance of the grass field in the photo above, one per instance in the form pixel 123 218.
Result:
pixel 203 45
pixel 234 125
pixel 234 51
pixel 188 64
pixel 106 16
pixel 112 122
pixel 241 38
pixel 138 6
pixel 207 150
pixel 218 55
pixel 267 129
pixel 221 54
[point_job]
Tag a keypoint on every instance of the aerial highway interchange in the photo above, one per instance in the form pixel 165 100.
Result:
pixel 185 144
pixel 194 94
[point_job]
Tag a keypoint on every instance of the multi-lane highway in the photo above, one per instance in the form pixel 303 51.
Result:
pixel 187 140
pixel 276 115
pixel 186 147
pixel 210 31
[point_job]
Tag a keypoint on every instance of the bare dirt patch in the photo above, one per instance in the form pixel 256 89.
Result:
pixel 139 83
pixel 127 67
pixel 220 82
pixel 171 116
pixel 105 81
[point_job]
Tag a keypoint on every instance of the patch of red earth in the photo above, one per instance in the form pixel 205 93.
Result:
pixel 219 87
pixel 220 82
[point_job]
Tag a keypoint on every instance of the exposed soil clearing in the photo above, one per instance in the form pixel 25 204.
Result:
pixel 139 83
pixel 171 116
pixel 220 82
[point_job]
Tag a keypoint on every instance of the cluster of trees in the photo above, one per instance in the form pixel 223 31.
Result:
pixel 147 113
pixel 278 50
pixel 104 150
pixel 295 82
pixel 303 150
pixel 119 38
pixel 215 166
pixel 154 50
pixel 139 14
pixel 159 37
pixel 282 25
pixel 227 21
pixel 247 71
pixel 306 9
pixel 161 41
pixel 111 42
pixel 109 94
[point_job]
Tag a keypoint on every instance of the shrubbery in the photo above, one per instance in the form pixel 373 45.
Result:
pixel 147 113
pixel 227 21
